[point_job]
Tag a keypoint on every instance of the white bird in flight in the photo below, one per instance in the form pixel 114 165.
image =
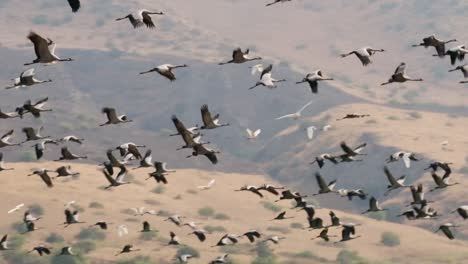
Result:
pixel 122 230
pixel 253 134
pixel 208 186
pixel 310 132
pixel 297 114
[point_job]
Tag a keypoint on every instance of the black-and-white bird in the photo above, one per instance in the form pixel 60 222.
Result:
pixel 324 235
pixel 127 249
pixel 456 53
pixel 227 239
pixel 199 149
pixel 2 164
pixel 323 186
pixel 184 258
pixel 44 174
pixel 394 183
pixel 250 188
pixel 41 250
pixel 220 260
pixel 277 2
pixel 270 188
pixel 348 233
pixel 315 223
pixel 353 116
pixel 161 167
pixel 265 78
pixel 174 239
pixel 66 251
pixel 74 5
pixel 374 206
pixel 119 179
pixel 352 193
pixel 400 75
pixel 407 157
pixel 251 235
pixel 463 69
pixel 40 147
pixel 462 211
pixel 442 182
pixel 176 219
pixel 438 44
pixel 140 18
pixel 210 121
pixel 320 159
pixel 71 138
pixel 335 221
pixel 102 225
pixel 290 195
pixel 72 217
pixel 200 234
pixel 239 56
pixel 146 161
pixel 44 49
pixel 417 193
pixel 166 70
pixel 363 54
pixel 447 230
pixel 67 155
pixel 35 109
pixel 33 134
pixel 65 171
pixel 146 227
pixel 4 243
pixel 281 216
pixel 26 79
pixel 190 138
pixel 132 148
pixel 274 239
pixel 445 166
pixel 350 153
pixel 113 118
pixel 313 78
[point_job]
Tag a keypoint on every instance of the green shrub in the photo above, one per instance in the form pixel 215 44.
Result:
pixel 390 239
pixel 27 156
pixel 36 209
pixel 147 236
pixel 415 115
pixel 67 259
pixel 164 213
pixel 137 260
pixel 91 234
pixel 191 191
pixel 84 246
pixel 271 206
pixel 54 238
pixel 206 211
pixel 350 257
pixel 159 190
pixel 152 202
pixel 380 216
pixel 280 229
pixel 304 254
pixel 212 229
pixel 96 205
pixel 221 216
pixel 178 197
pixel 184 249
pixel 296 225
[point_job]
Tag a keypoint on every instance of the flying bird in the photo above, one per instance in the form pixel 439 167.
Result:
pixel 324 187
pixel 266 80
pixel 199 149
pixel 210 121
pixel 394 183
pixel 112 117
pixel 447 230
pixel 67 155
pixel 374 206
pixel 40 147
pixel 44 53
pixel 119 179
pixel 438 44
pixel 252 134
pixel 140 18
pixel 407 157
pixel 277 1
pixel 313 78
pixel 127 249
pixel 462 211
pixel 72 217
pixel 297 114
pixel 26 79
pixel 71 138
pixel 43 173
pixel 363 54
pixel 400 75
pixel 75 5
pixel 35 109
pixel 166 70
pixel 352 116
pixel 208 186
pixel 239 56
pixel 456 53
pixel 463 69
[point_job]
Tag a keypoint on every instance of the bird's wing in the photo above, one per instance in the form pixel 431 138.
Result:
pixel 390 177
pixel 256 68
pixel 41 47
pixel 257 132
pixel 401 69
pixel 147 19
pixel 266 70
pixel 286 116
pixel 47 180
pixel 110 113
pixel 249 132
pixel 237 54
pixel 206 115
pixel 74 4
pixel 406 160
pixel 108 177
pixel 27 73
pixel 347 149
pixel 320 181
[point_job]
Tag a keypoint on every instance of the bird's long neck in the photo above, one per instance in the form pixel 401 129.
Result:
pixel 448 41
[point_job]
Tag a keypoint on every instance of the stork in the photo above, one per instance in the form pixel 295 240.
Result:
pixel 394 183
pixel 26 79
pixel 43 173
pixel 313 78
pixel 447 230
pixel 127 249
pixel 166 70
pixel 210 121
pixel 438 44
pixel 67 155
pixel 119 179
pixel 323 186
pixel 112 117
pixel 140 18
pixel 35 109
pixel 40 147
pixel 374 206
pixel 266 80
pixel 44 53
pixel 239 56
pixel 297 114
pixel 363 54
pixel 400 75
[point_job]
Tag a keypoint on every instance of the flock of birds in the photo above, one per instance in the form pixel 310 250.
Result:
pixel 192 137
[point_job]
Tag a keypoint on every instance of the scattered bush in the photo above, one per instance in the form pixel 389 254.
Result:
pixel 184 249
pixel 85 246
pixel 36 209
pixel 137 260
pixel 159 190
pixel 148 235
pixel 280 229
pixel 212 229
pixel 221 216
pixel 191 191
pixel 271 206
pixel 90 234
pixel 95 205
pixel 54 238
pixel 178 197
pixel 67 259
pixel 152 202
pixel 296 225
pixel 206 211
pixel 390 239
pixel 380 216
pixel 350 257
pixel 304 254
pixel 164 213
pixel 415 115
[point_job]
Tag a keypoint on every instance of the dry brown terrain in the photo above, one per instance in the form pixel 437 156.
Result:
pixel 180 196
